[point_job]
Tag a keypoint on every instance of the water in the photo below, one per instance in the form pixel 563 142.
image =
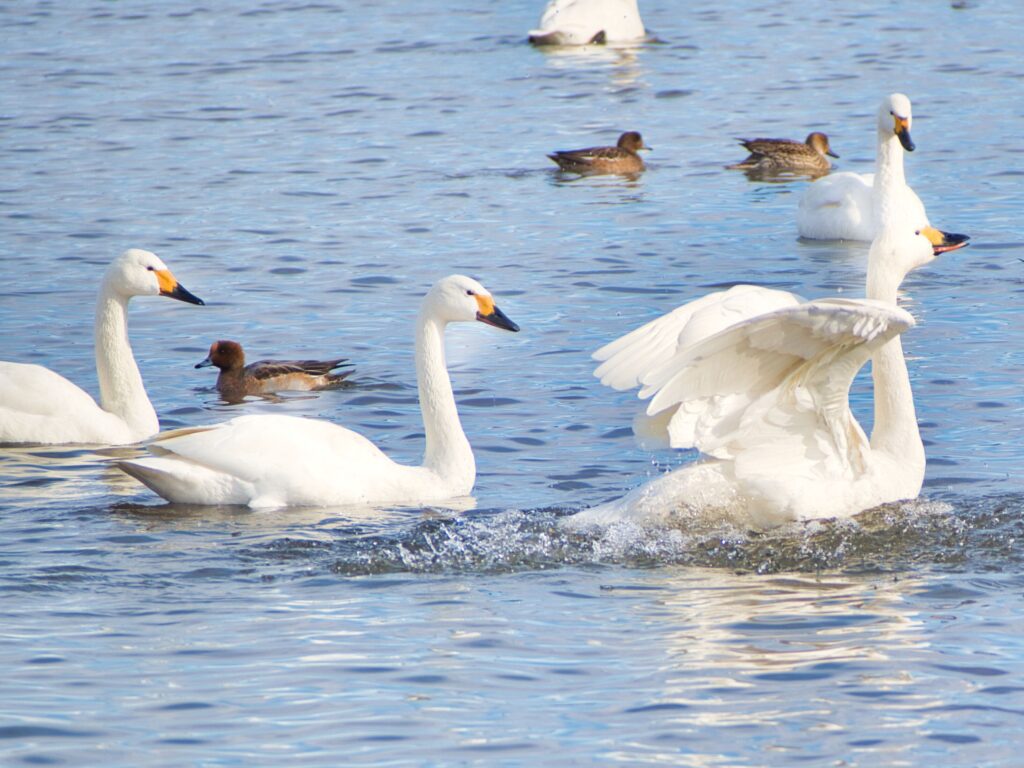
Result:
pixel 309 170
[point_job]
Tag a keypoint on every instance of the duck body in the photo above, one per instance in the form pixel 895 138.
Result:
pixel 275 461
pixel 623 158
pixel 781 155
pixel 237 380
pixel 758 381
pixel 40 406
pixel 582 22
pixel 846 206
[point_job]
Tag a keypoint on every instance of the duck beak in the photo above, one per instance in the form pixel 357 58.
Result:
pixel 902 129
pixel 207 362
pixel 944 241
pixel 172 289
pixel 830 153
pixel 489 313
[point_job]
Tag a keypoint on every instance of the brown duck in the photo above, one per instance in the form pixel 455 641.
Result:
pixel 775 155
pixel 236 379
pixel 622 158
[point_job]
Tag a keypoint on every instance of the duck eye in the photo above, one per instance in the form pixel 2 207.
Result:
pixel 918 232
pixel 150 269
pixel 469 292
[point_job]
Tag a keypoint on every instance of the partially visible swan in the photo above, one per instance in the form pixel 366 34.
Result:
pixel 622 158
pixel 40 406
pixel 845 206
pixel 580 22
pixel 236 379
pixel 758 380
pixel 778 155
pixel 276 461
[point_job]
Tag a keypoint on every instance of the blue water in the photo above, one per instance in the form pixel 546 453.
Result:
pixel 309 170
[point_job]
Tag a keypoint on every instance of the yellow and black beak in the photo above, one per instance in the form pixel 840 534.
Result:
pixel 171 288
pixel 901 126
pixel 944 241
pixel 489 313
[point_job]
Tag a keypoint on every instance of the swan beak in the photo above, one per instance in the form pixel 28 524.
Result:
pixel 944 241
pixel 489 313
pixel 171 288
pixel 902 129
pixel 206 363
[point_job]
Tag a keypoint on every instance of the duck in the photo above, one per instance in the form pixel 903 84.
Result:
pixel 40 406
pixel 270 461
pixel 780 155
pixel 844 206
pixel 583 22
pixel 758 381
pixel 623 158
pixel 236 380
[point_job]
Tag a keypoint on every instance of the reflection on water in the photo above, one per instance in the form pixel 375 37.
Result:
pixel 310 169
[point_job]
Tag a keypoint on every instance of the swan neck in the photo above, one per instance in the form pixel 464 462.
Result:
pixel 895 427
pixel 448 452
pixel 889 178
pixel 895 431
pixel 122 391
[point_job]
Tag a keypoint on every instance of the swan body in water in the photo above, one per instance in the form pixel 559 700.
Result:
pixel 581 22
pixel 276 461
pixel 40 406
pixel 844 206
pixel 758 380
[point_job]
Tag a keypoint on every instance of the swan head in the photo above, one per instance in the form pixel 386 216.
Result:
pixel 895 118
pixel 226 355
pixel 902 250
pixel 458 298
pixel 140 273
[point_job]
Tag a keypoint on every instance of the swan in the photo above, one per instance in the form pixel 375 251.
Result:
pixel 844 206
pixel 275 461
pixel 580 22
pixel 40 406
pixel 236 380
pixel 758 380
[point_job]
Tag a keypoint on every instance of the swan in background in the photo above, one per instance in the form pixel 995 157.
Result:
pixel 758 380
pixel 236 380
pixel 580 22
pixel 276 461
pixel 40 406
pixel 845 206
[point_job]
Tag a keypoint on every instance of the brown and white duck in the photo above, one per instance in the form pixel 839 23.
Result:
pixel 780 155
pixel 236 379
pixel 623 158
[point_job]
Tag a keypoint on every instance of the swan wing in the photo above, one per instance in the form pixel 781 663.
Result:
pixel 776 386
pixel 626 361
pixel 38 405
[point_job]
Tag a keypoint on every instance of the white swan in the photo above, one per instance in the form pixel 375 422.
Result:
pixel 845 206
pixel 275 461
pixel 40 406
pixel 758 380
pixel 580 22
